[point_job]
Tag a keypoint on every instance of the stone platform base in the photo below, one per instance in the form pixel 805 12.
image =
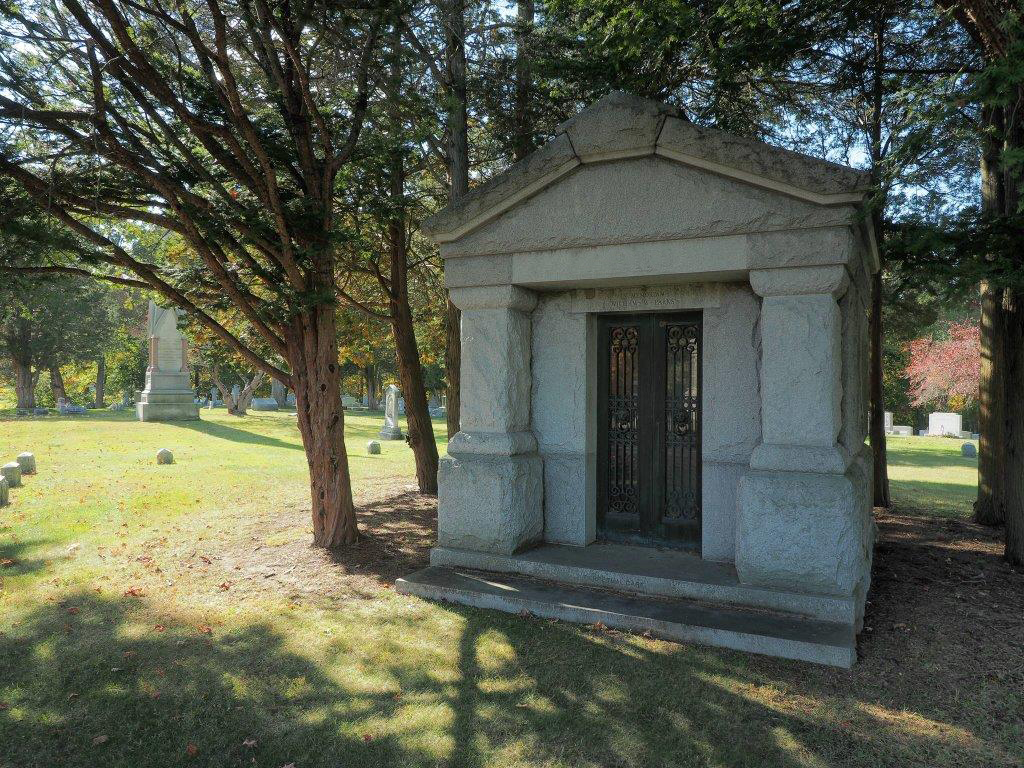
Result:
pixel 789 636
pixel 167 411
pixel 391 433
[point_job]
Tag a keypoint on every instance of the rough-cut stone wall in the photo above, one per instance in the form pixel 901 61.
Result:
pixel 598 204
pixel 564 368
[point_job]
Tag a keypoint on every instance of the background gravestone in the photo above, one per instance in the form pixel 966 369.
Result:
pixel 4 498
pixel 969 451
pixel 11 472
pixel 168 394
pixel 27 462
pixel 391 430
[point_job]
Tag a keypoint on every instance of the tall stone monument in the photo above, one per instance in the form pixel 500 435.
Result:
pixel 391 430
pixel 168 394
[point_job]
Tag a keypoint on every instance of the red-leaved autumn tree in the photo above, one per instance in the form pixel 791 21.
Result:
pixel 946 370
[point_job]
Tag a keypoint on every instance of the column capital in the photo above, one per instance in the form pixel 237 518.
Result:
pixel 831 279
pixel 494 297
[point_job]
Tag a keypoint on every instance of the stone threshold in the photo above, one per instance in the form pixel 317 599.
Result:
pixel 647 571
pixel 680 620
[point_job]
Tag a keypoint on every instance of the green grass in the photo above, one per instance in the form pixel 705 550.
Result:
pixel 193 673
pixel 928 475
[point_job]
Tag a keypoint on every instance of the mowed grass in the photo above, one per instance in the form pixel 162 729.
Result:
pixel 132 633
pixel 929 476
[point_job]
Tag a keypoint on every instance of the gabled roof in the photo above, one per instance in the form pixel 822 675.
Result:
pixel 623 126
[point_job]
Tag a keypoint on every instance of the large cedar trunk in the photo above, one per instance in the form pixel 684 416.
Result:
pixel 453 366
pixel 371 387
pixel 57 384
pixel 988 508
pixel 876 425
pixel 101 383
pixel 522 141
pixel 410 371
pixel 420 429
pixel 458 172
pixel 316 376
pixel 1013 498
pixel 24 384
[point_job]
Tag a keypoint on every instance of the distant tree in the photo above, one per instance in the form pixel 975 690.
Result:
pixel 50 321
pixel 229 123
pixel 946 370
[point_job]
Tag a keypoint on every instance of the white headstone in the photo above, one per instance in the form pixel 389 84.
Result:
pixel 391 430
pixel 941 423
pixel 27 462
pixel 11 472
pixel 888 422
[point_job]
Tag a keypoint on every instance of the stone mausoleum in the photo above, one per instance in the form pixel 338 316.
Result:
pixel 664 388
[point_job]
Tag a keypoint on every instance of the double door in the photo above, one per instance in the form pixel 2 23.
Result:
pixel 649 429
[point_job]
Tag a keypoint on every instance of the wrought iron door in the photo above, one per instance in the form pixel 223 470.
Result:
pixel 649 427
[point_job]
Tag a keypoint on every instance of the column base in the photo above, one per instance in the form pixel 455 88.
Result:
pixel 490 503
pixel 391 433
pixel 167 406
pixel 807 532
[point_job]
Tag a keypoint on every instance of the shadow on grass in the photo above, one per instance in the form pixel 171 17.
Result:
pixel 225 432
pixel 83 685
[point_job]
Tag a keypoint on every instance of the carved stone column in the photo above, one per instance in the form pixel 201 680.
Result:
pixel 490 486
pixel 804 517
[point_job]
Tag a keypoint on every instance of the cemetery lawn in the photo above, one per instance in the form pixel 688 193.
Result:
pixel 177 616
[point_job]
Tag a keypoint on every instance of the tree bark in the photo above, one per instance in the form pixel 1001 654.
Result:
pixel 522 141
pixel 101 383
pixel 316 376
pixel 876 414
pixel 1013 437
pixel 458 172
pixel 876 424
pixel 988 508
pixel 370 373
pixel 24 384
pixel 57 384
pixel 420 434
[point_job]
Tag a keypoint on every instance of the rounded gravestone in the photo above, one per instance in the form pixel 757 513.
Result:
pixel 11 472
pixel 164 456
pixel 4 500
pixel 27 462
pixel 969 450
pixel 373 448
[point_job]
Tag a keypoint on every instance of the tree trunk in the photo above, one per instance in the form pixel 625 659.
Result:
pixel 57 384
pixel 988 508
pixel 876 425
pixel 1013 497
pixel 420 436
pixel 458 172
pixel 316 378
pixel 24 384
pixel 522 141
pixel 371 387
pixel 101 383
pixel 246 395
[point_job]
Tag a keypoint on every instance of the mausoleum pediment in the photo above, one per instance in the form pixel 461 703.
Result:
pixel 632 170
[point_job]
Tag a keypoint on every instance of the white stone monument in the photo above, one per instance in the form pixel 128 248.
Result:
pixel 391 430
pixel 168 394
pixel 888 422
pixel 941 424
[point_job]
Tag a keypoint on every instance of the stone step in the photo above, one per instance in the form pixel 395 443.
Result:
pixel 648 571
pixel 681 620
